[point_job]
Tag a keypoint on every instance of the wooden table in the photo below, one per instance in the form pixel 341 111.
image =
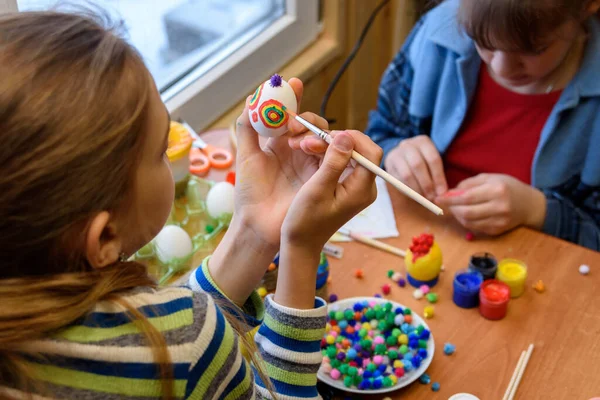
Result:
pixel 563 322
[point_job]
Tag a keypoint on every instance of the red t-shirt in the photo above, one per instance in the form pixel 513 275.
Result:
pixel 500 133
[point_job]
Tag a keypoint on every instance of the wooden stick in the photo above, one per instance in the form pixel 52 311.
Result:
pixel 374 243
pixel 521 372
pixel 365 162
pixel 514 376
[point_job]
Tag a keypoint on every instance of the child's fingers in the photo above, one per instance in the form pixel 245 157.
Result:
pixel 337 157
pixel 296 128
pixel 476 195
pixel 367 148
pixel 402 171
pixel 247 138
pixel 435 165
pixel 419 168
pixel 298 88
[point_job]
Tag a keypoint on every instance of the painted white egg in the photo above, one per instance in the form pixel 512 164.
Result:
pixel 219 201
pixel 266 107
pixel 171 243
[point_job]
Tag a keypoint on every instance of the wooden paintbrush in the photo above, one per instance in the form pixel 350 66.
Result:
pixel 365 162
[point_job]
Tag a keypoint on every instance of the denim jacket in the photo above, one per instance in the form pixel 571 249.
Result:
pixel 427 90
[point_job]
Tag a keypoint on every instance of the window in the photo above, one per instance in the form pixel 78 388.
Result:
pixel 206 55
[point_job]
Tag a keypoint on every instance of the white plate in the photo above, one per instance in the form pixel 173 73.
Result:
pixel 408 378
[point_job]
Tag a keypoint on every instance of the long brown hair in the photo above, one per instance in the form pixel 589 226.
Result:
pixel 73 106
pixel 516 24
pixel 73 103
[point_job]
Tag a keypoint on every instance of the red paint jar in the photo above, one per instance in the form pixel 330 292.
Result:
pixel 493 299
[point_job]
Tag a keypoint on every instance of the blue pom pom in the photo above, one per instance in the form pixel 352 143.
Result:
pixel 351 354
pixel 378 296
pixel 352 322
pixel 408 367
pixel 435 387
pixel 416 361
pixel 343 324
pixel 361 386
pixel 382 368
pixel 422 353
pixel 425 379
pixel 367 383
pixel 378 383
pixel 408 356
pixel 377 374
pixel 449 349
pixel 425 335
pixel 367 374
pixel 413 344
pixel 358 307
pixel 399 311
pixel 412 336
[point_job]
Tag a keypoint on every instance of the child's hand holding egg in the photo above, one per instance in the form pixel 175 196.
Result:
pixel 266 107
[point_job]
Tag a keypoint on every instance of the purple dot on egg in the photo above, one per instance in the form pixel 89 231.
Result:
pixel 276 80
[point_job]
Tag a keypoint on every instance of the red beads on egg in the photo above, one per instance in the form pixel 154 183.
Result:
pixel 421 245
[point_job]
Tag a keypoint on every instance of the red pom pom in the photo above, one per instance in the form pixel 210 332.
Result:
pixel 470 236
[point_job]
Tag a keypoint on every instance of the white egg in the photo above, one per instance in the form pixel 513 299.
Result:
pixel 171 243
pixel 219 201
pixel 266 107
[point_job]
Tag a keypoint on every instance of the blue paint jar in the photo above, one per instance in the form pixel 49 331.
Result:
pixel 466 288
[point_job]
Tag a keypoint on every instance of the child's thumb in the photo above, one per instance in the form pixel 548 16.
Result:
pixel 247 138
pixel 337 157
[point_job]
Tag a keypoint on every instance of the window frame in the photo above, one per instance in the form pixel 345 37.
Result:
pixel 209 91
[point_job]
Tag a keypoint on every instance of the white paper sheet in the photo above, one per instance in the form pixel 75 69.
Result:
pixel 376 221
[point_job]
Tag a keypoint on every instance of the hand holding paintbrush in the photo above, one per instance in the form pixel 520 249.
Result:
pixel 363 161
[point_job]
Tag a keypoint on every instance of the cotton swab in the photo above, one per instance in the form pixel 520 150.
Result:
pixel 372 242
pixel 521 372
pixel 365 162
pixel 514 376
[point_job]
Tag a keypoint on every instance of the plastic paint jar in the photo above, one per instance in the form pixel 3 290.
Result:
pixel 180 143
pixel 514 274
pixel 466 288
pixel 484 263
pixel 493 299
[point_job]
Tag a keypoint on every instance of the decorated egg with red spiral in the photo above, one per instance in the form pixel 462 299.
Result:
pixel 267 107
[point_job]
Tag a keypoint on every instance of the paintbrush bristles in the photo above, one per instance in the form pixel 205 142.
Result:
pixel 292 114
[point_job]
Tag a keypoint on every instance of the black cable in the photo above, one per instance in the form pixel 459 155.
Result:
pixel 349 59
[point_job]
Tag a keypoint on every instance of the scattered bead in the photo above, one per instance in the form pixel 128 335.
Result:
pixel 378 295
pixel 272 267
pixel 418 294
pixel 425 379
pixel 401 282
pixel 432 297
pixel 329 280
pixel 469 236
pixel 262 292
pixel 359 273
pixel 390 273
pixel 397 276
pixel 386 289
pixel 333 298
pixel 209 229
pixel 584 269
pixel 428 312
pixel 539 287
pixel 449 349
pixel 435 387
pixel 424 289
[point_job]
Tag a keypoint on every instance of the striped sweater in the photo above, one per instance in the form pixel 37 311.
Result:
pixel 104 356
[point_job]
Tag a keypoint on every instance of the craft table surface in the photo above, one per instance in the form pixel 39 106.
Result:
pixel 563 322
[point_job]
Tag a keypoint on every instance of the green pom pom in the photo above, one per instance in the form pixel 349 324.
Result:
pixel 396 332
pixel 380 349
pixel 422 344
pixel 387 382
pixel 209 229
pixel 348 381
pixel 390 273
pixel 407 311
pixel 362 333
pixel 367 345
pixel 339 315
pixel 331 352
pixel 349 315
pixel 391 340
pixel 331 315
pixel 377 307
pixel 382 326
pixel 380 314
pixel 352 371
pixel 403 349
pixel 432 297
pixel 370 314
pixel 335 363
pixel 420 329
pixel 393 354
pixel 344 369
pixel 371 367
pixel 388 307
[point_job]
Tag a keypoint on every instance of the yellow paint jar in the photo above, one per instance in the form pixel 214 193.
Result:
pixel 514 274
pixel 178 152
